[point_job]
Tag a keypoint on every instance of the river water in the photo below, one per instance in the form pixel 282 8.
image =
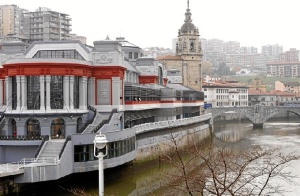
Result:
pixel 142 178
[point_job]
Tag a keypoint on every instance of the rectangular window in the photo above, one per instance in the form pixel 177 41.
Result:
pixel 76 92
pixel 33 92
pixel 13 98
pixel 136 55
pixel 130 55
pixel 56 92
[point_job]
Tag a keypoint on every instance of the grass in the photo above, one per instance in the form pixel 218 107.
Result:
pixel 268 81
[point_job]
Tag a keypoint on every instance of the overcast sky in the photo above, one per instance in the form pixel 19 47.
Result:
pixel 149 23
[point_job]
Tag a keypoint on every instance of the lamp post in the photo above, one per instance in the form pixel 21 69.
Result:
pixel 100 143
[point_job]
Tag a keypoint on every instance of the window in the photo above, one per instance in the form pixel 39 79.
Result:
pixel 136 55
pixel 33 128
pixel 130 55
pixel 76 92
pixel 56 92
pixel 64 54
pixel 83 153
pixel 33 92
pixel 13 98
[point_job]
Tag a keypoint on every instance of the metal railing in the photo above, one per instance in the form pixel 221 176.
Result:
pixel 64 146
pixel 90 121
pixel 22 137
pixel 169 124
pixel 30 162
pixel 46 138
pixel 106 121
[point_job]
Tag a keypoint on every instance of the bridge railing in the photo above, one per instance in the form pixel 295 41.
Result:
pixel 169 124
pixel 30 162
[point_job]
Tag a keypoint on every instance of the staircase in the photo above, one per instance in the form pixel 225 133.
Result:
pixel 51 150
pixel 98 119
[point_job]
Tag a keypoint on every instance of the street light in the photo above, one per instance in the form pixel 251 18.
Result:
pixel 100 143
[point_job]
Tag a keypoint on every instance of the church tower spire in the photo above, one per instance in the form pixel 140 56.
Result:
pixel 189 48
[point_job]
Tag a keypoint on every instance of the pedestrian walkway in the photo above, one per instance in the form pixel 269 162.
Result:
pixel 10 170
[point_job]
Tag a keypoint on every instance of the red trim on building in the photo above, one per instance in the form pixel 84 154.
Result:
pixel 148 79
pixel 62 69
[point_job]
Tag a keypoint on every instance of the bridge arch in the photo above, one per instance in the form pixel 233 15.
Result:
pixel 257 114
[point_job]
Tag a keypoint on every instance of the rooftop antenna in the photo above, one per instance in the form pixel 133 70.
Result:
pixel 188 4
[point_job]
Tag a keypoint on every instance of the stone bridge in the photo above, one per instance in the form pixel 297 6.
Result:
pixel 257 114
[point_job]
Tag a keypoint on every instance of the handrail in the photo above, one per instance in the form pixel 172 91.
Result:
pixel 90 121
pixel 105 121
pixel 46 138
pixel 22 137
pixel 64 146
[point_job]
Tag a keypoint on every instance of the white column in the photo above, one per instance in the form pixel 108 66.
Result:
pixel 83 93
pixel 1 93
pixel 92 91
pixel 89 100
pixel 66 92
pixel 23 93
pixel 71 97
pixel 48 81
pixel 116 91
pixel 18 78
pixel 42 93
pixel 9 98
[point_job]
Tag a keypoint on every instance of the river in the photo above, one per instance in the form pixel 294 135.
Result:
pixel 143 178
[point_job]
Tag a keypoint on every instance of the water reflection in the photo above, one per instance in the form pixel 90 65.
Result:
pixel 275 134
pixel 142 178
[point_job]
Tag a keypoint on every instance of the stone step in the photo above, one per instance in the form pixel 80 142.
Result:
pixel 51 149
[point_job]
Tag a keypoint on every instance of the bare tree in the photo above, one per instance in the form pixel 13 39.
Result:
pixel 210 170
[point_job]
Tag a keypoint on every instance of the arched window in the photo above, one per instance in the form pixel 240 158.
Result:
pixel 57 128
pixel 33 128
pixel 79 124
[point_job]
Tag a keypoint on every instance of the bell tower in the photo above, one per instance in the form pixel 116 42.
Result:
pixel 189 48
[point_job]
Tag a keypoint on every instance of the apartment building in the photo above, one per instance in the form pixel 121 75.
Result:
pixel 223 94
pixel 11 20
pixel 44 24
pixel 293 87
pixel 290 56
pixel 257 96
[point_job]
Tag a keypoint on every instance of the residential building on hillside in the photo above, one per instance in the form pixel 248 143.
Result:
pixel 78 37
pixel 290 56
pixel 223 94
pixel 271 50
pixel 11 20
pixel 286 98
pixel 293 87
pixel 259 97
pixel 44 24
pixel 232 47
pixel 283 69
pixel 157 52
pixel 248 50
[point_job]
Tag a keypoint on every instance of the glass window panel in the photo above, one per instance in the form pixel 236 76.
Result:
pixel 33 92
pixel 56 92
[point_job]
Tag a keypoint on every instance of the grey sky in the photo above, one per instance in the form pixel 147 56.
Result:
pixel 156 22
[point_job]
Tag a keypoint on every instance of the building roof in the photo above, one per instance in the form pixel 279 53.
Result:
pixel 180 87
pixel 228 85
pixel 283 63
pixel 292 84
pixel 259 92
pixel 283 93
